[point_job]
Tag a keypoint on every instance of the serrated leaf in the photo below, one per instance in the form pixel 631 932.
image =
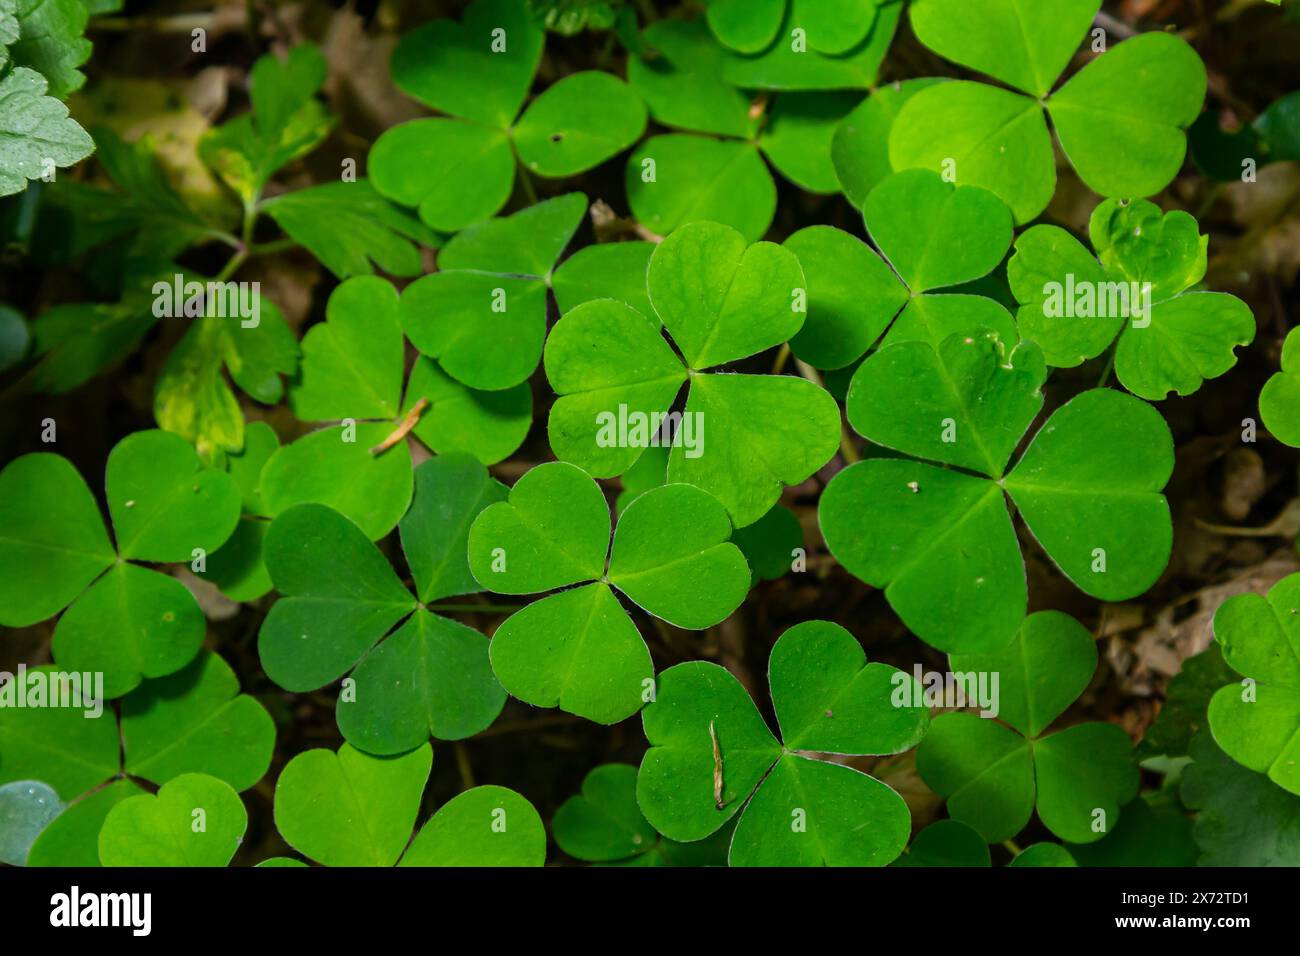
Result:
pixel 36 132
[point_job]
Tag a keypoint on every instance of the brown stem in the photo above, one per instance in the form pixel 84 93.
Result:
pixel 403 428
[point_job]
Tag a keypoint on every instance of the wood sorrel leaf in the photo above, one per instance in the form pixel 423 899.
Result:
pixel 1024 45
pixel 196 721
pixel 672 556
pixel 607 270
pixel 349 808
pixel 431 677
pixel 553 531
pixel 1121 118
pixel 676 179
pixel 478 69
pixel 334 466
pixel 420 163
pixel 913 217
pixel 1257 721
pixel 484 826
pixel 578 123
pixel 340 596
pixel 132 623
pixel 352 362
pixel 52 538
pixel 797 137
pixel 1044 669
pixel 852 296
pixel 72 838
pixel 1279 401
pixel 484 316
pixel 710 750
pixel 164 503
pixel 947 843
pixel 860 146
pixel 159 830
pixel 967 402
pixel 488 425
pixel 1089 488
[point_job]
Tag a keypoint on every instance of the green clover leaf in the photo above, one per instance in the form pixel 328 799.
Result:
pixel 1120 119
pixel 679 178
pixel 237 567
pixel 483 315
pixel 854 295
pixel 607 270
pixel 1074 305
pixel 721 300
pixel 834 27
pixel 160 830
pixel 351 809
pixel 604 825
pixel 1279 401
pixel 192 721
pixel 946 843
pixel 578 649
pixel 124 620
pixel 414 673
pixel 706 736
pixel 941 542
pixel 860 145
pixel 817 45
pixel 1257 721
pixel 993 775
pixel 478 72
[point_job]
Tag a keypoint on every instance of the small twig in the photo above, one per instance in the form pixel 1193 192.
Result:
pixel 403 428
pixel 717 768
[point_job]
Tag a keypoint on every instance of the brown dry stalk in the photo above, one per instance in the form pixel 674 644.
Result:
pixel 403 428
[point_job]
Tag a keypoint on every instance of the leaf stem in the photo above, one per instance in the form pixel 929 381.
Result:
pixel 476 608
pixel 1012 846
pixel 1110 366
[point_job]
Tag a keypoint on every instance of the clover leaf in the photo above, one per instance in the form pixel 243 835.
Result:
pixel 993 775
pixel 194 720
pixel 940 540
pixel 352 809
pixel 1279 401
pixel 1120 119
pixel 712 757
pixel 161 829
pixel 483 314
pixel 414 673
pixel 578 649
pixel 946 843
pixel 1154 831
pixel 817 45
pixel 743 436
pixel 1257 721
pixel 124 620
pixel 604 825
pixel 833 27
pixel 860 145
pixel 1074 304
pixel 237 567
pixel 679 178
pixel 854 294
pixel 479 72
pixel 606 270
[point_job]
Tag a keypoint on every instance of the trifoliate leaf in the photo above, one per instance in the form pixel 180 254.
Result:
pixel 1088 487
pixel 578 123
pixel 798 134
pixel 578 649
pixel 947 843
pixel 1144 836
pixel 770 543
pixel 860 145
pixel 993 777
pixel 609 270
pixel 488 425
pixel 72 838
pixel 711 756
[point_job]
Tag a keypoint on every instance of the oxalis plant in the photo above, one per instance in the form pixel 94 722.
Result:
pixel 760 433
